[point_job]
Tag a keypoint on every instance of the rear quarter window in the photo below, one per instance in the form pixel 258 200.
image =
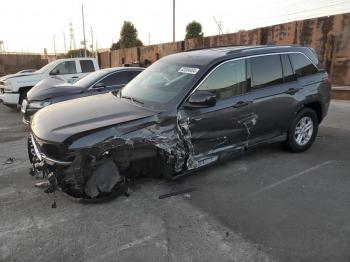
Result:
pixel 302 65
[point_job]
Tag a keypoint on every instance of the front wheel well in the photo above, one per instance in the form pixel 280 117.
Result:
pixel 316 106
pixel 23 93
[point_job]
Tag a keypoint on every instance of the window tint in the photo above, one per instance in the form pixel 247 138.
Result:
pixel 119 78
pixel 227 80
pixel 87 66
pixel 288 73
pixel 302 66
pixel 135 73
pixel 266 71
pixel 67 67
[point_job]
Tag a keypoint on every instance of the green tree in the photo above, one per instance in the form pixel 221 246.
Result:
pixel 115 46
pixel 77 53
pixel 193 29
pixel 128 36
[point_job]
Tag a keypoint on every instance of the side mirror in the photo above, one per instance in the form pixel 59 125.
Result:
pixel 55 72
pixel 99 85
pixel 201 99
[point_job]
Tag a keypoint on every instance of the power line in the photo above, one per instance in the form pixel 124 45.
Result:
pixel 303 11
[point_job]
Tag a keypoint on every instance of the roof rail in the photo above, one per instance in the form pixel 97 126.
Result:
pixel 214 47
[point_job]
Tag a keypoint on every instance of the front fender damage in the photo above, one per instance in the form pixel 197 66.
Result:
pixel 105 161
pixel 117 156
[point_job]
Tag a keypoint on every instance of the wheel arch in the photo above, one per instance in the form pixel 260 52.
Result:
pixel 315 106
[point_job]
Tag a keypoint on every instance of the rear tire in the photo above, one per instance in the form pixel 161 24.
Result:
pixel 303 131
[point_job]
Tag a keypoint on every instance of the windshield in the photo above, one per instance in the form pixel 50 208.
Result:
pixel 90 79
pixel 160 83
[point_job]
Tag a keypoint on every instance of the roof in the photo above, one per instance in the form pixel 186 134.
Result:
pixel 112 69
pixel 207 55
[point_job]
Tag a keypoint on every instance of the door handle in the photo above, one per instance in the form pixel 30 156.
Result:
pixel 292 91
pixel 241 104
pixel 75 76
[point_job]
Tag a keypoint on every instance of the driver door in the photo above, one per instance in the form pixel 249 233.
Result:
pixel 66 70
pixel 227 123
pixel 112 82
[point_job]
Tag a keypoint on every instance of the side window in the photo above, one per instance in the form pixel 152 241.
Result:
pixel 288 74
pixel 87 66
pixel 65 68
pixel 302 66
pixel 134 74
pixel 265 71
pixel 227 80
pixel 116 79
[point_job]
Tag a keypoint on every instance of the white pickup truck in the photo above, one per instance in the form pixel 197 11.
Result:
pixel 13 88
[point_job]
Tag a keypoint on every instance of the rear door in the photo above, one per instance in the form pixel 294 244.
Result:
pixel 273 90
pixel 228 122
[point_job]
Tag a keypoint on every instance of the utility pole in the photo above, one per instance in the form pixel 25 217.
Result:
pixel 173 20
pixel 64 42
pixel 82 13
pixel 54 44
pixel 219 25
pixel 96 48
pixel 92 42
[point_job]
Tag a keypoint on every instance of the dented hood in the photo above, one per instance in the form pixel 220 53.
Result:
pixel 52 88
pixel 60 121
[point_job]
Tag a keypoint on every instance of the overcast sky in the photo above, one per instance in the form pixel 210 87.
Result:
pixel 31 25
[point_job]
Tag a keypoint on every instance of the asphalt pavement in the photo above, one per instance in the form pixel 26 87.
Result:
pixel 266 205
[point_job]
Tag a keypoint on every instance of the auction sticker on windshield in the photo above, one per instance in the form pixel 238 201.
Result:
pixel 188 70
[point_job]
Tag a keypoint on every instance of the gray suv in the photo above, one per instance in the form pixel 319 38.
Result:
pixel 184 112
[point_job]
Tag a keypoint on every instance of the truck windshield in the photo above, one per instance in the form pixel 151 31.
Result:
pixel 160 83
pixel 44 68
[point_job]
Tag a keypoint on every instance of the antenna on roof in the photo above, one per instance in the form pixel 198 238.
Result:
pixel 219 25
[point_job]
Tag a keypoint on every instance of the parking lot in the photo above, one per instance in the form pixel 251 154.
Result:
pixel 267 205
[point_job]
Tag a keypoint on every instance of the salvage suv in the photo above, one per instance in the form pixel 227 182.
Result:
pixel 14 88
pixel 186 111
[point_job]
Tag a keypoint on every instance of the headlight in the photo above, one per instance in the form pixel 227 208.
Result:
pixel 7 85
pixel 38 105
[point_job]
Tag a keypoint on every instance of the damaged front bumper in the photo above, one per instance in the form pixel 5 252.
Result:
pixel 42 157
pixel 82 177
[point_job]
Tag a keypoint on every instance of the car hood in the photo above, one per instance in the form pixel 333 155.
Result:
pixel 6 77
pixel 50 88
pixel 58 122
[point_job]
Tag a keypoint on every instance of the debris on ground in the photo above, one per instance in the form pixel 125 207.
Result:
pixel 185 191
pixel 43 184
pixel 9 161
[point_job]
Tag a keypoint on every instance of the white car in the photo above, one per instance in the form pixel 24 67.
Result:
pixel 14 87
